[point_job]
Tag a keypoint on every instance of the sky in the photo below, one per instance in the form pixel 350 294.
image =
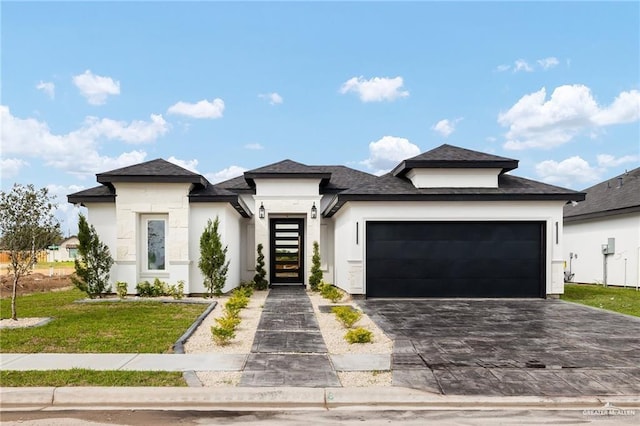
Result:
pixel 220 88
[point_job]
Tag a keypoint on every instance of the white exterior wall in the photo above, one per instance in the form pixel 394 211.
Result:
pixel 286 198
pixel 229 230
pixel 103 218
pixel 350 268
pixel 168 200
pixel 585 239
pixel 454 178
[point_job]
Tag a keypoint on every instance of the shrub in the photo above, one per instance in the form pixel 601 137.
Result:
pixel 144 289
pixel 237 301
pixel 177 292
pixel 93 263
pixel 259 280
pixel 121 289
pixel 213 259
pixel 316 270
pixel 222 336
pixel 228 321
pixel 245 290
pixel 358 335
pixel 159 288
pixel 346 315
pixel 330 292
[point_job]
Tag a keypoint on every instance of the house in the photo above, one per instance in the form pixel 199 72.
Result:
pixel 66 251
pixel 602 233
pixel 450 222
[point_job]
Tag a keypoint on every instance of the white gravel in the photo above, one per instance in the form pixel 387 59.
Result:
pixel 332 332
pixel 23 322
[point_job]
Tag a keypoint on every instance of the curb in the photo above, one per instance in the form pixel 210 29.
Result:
pixel 275 399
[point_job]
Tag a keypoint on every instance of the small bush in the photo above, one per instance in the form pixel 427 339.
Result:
pixel 259 279
pixel 160 288
pixel 121 289
pixel 358 335
pixel 177 292
pixel 330 292
pixel 316 269
pixel 346 315
pixel 144 289
pixel 228 321
pixel 222 336
pixel 245 289
pixel 237 302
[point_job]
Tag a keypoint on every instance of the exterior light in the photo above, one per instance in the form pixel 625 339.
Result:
pixel 314 211
pixel 261 211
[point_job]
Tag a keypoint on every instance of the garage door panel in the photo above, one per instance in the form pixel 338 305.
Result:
pixel 454 259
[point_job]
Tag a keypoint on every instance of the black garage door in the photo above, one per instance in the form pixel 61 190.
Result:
pixel 455 259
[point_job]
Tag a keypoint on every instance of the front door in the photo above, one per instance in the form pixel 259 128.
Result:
pixel 287 251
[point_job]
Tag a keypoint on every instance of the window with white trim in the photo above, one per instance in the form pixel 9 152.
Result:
pixel 154 242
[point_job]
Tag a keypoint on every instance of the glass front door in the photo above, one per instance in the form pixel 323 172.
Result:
pixel 287 251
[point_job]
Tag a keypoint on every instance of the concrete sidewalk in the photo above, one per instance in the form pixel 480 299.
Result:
pixel 169 362
pixel 255 399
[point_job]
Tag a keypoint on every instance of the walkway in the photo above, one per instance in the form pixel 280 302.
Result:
pixel 288 349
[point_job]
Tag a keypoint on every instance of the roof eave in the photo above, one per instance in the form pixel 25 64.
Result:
pixel 106 178
pixel 402 168
pixel 234 200
pixel 81 199
pixel 601 214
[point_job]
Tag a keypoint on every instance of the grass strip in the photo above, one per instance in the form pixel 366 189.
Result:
pixel 108 327
pixel 84 377
pixel 622 300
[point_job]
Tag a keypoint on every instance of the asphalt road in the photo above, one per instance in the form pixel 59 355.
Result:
pixel 337 417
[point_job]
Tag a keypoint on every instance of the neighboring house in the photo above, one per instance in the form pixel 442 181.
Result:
pixel 66 251
pixel 448 223
pixel 602 233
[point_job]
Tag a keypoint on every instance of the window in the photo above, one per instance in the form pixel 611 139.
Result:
pixel 155 244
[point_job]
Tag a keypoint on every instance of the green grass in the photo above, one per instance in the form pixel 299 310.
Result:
pixel 66 264
pixel 622 300
pixel 105 327
pixel 82 377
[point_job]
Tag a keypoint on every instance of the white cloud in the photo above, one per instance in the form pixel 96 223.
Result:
pixel 535 122
pixel 376 89
pixel 75 152
pixel 273 98
pixel 254 146
pixel 185 164
pixel 567 172
pixel 388 152
pixel 47 87
pixel 135 132
pixel 606 160
pixel 10 167
pixel 522 65
pixel 225 174
pixel 446 127
pixel 548 63
pixel 96 88
pixel 201 109
pixel 503 67
pixel 66 213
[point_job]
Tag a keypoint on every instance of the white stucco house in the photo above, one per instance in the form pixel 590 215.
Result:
pixel 602 233
pixel 450 222
pixel 66 251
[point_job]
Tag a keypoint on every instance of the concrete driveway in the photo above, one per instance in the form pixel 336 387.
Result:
pixel 509 347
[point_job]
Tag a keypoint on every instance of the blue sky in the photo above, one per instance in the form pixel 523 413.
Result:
pixel 224 87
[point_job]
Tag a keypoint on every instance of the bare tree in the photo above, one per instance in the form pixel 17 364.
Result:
pixel 28 226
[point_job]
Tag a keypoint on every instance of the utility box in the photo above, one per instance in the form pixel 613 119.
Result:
pixel 610 247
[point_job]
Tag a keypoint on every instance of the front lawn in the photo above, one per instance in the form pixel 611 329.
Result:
pixel 106 327
pixel 622 300
pixel 82 377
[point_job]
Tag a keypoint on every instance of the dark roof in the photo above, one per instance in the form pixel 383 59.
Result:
pixel 339 177
pixel 449 156
pixel 287 169
pixel 617 195
pixel 510 188
pixel 97 194
pixel 218 194
pixel 157 170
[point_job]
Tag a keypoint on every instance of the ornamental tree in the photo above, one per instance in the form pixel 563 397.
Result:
pixel 213 259
pixel 27 225
pixel 93 263
pixel 259 279
pixel 316 269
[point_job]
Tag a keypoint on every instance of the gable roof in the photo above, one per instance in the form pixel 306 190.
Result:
pixel 449 156
pixel 618 195
pixel 510 188
pixel 287 169
pixel 97 194
pixel 157 170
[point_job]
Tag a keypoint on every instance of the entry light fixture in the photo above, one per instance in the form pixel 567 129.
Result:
pixel 314 211
pixel 261 211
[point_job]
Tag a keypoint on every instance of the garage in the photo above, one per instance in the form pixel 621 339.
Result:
pixel 455 259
